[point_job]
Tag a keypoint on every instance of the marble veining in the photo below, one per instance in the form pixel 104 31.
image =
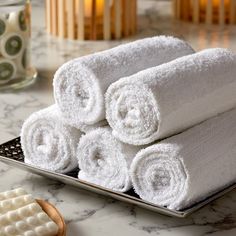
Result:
pixel 86 213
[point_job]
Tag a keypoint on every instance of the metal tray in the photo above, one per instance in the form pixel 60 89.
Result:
pixel 11 153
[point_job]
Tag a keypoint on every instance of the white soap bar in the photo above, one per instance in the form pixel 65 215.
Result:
pixel 28 220
pixel 21 215
pixel 15 203
pixel 12 194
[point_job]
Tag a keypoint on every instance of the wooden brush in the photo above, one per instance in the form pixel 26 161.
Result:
pixel 55 215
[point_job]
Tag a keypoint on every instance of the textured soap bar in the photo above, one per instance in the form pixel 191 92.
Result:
pixel 12 194
pixel 28 220
pixel 21 215
pixel 15 203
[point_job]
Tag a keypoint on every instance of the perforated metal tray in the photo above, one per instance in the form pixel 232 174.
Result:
pixel 11 153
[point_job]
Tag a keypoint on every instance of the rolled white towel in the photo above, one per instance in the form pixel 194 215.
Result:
pixel 164 100
pixel 80 84
pixel 105 161
pixel 83 127
pixel 190 166
pixel 87 128
pixel 48 143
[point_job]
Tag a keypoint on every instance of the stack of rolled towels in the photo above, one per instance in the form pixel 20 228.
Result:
pixel 152 115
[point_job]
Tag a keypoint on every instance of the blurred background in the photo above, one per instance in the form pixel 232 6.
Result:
pixel 154 17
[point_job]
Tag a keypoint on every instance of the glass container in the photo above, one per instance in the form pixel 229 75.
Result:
pixel 16 70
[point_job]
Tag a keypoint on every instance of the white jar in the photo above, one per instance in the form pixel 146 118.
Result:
pixel 16 70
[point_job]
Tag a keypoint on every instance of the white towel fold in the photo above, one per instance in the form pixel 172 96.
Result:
pixel 86 128
pixel 164 100
pixel 105 161
pixel 49 143
pixel 80 84
pixel 188 167
pixel 83 127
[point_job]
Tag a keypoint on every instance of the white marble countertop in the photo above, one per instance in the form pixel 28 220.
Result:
pixel 89 214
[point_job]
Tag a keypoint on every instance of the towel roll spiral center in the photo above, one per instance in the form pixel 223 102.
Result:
pixel 160 178
pixel 132 112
